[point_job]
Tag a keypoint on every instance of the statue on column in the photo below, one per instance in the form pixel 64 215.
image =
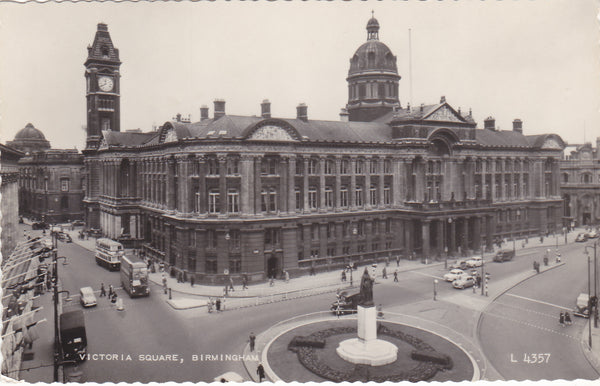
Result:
pixel 366 290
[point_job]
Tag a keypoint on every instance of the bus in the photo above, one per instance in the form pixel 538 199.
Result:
pixel 134 276
pixel 109 254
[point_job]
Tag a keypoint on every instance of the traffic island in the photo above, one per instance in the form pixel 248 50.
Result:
pixel 308 354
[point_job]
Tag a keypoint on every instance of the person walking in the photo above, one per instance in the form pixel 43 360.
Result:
pixel 231 284
pixel 395 276
pixel 384 273
pixel 111 291
pixel 343 276
pixel 561 319
pixel 218 304
pixel 271 282
pixel 568 321
pixel 102 290
pixel 244 282
pixel 260 370
pixel 192 280
pixel 252 340
pixel 287 277
pixel 209 305
pixel 398 261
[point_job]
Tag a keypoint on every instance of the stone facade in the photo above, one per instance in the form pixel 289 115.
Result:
pixel 9 189
pixel 257 195
pixel 580 185
pixel 51 185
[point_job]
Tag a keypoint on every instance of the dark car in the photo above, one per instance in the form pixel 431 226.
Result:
pixel 504 255
pixel 347 303
pixel 39 225
pixel 65 237
pixel 581 238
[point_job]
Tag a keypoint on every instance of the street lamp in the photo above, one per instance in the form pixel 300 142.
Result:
pixel 435 281
pixel 482 271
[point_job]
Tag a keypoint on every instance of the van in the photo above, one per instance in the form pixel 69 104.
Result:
pixel 72 335
pixel 504 255
pixel 346 303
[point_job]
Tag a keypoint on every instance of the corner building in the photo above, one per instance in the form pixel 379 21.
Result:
pixel 256 195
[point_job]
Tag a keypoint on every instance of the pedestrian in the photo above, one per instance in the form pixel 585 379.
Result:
pixel 111 291
pixel 343 276
pixel 192 280
pixel 287 277
pixel 164 279
pixel 558 257
pixel 271 282
pixel 223 304
pixel 218 305
pixel 568 321
pixel 226 290
pixel 209 305
pixel 396 276
pixel 231 284
pixel 397 260
pixel 244 282
pixel 252 340
pixel 312 270
pixel 113 298
pixel 384 273
pixel 561 319
pixel 102 290
pixel 260 370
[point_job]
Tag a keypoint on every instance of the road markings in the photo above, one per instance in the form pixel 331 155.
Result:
pixel 426 274
pixel 538 301
pixel 525 309
pixel 532 325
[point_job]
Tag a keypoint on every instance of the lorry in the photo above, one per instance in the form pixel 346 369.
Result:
pixel 72 337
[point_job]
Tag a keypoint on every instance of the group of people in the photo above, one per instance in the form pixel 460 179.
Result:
pixel 218 304
pixel 112 294
pixel 564 319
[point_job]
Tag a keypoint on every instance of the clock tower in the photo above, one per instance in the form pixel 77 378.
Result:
pixel 102 87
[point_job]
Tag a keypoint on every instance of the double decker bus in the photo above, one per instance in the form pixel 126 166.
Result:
pixel 109 253
pixel 134 276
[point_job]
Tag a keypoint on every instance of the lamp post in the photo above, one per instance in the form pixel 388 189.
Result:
pixel 565 233
pixel 593 311
pixel 435 281
pixel 482 271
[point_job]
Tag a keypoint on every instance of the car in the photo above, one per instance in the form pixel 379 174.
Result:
pixel 581 238
pixel 464 282
pixel 592 234
pixel 459 264
pixel 62 236
pixel 87 297
pixel 582 306
pixel 347 303
pixel 504 255
pixel 475 261
pixel 78 223
pixel 453 274
pixel 39 225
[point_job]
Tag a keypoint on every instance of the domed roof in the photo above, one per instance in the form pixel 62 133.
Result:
pixel 373 55
pixel 29 132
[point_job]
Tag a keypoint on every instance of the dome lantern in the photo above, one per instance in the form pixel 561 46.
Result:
pixel 373 28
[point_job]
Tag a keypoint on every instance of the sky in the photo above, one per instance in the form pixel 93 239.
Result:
pixel 538 61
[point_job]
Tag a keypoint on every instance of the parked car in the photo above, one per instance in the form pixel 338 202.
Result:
pixel 581 238
pixel 475 261
pixel 504 255
pixel 582 306
pixel 39 225
pixel 464 282
pixel 459 264
pixel 347 303
pixel 87 297
pixel 592 234
pixel 453 274
pixel 65 237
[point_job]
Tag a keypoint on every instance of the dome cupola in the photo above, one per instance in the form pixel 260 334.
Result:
pixel 29 139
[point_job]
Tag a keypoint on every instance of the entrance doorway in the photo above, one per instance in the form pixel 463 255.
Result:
pixel 272 267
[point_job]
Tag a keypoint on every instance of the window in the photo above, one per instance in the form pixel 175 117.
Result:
pixel 344 167
pixel 374 246
pixel 328 197
pixel 330 252
pixel 272 236
pixel 344 197
pixel 235 264
pixel 299 166
pixel 312 166
pixel 264 200
pixel 233 166
pixel 346 251
pixel 213 201
pixel 360 228
pixel 105 124
pixel 359 196
pixel 298 195
pixel 373 166
pixel 329 167
pixel 330 230
pixel 387 195
pixel 387 166
pixel 64 202
pixel 346 229
pixel 388 225
pixel 373 195
pixel 272 200
pixel 213 167
pixel 314 253
pixel 312 197
pixel 64 185
pixel 314 231
pixel 211 237
pixel 361 248
pixel 388 245
pixel 211 264
pixel 233 201
pixel 197 203
pixel 359 166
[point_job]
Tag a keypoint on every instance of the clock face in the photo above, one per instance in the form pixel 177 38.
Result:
pixel 105 83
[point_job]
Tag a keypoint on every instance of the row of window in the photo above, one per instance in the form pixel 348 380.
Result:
pixel 331 251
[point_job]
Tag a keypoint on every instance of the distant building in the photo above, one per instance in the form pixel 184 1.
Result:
pixel 9 188
pixel 580 184
pixel 256 195
pixel 29 139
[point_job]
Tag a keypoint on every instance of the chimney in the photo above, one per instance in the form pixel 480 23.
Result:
pixel 344 116
pixel 422 106
pixel 219 108
pixel 178 117
pixel 203 112
pixel 443 99
pixel 302 112
pixel 518 125
pixel 265 108
pixel 489 123
pixel 408 107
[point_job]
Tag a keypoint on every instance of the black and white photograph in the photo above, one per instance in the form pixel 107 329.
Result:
pixel 300 191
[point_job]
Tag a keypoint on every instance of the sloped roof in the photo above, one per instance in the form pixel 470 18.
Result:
pixel 510 138
pixel 116 138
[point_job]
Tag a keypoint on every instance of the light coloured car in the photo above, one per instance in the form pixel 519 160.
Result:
pixel 464 282
pixel 581 238
pixel 475 261
pixel 87 297
pixel 459 264
pixel 453 274
pixel 592 234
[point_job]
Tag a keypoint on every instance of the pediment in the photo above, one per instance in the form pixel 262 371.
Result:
pixel 444 114
pixel 271 133
pixel 171 136
pixel 551 143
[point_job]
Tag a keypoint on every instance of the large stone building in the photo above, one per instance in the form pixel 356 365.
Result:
pixel 50 181
pixel 580 185
pixel 9 188
pixel 257 195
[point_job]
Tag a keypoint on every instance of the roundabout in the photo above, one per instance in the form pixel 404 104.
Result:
pixel 308 353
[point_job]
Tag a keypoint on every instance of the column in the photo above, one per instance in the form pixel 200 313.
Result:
pixel 352 190
pixel 465 234
pixel 338 182
pixel 321 205
pixel 477 233
pixel 222 159
pixel 521 196
pixel 184 184
pixel 440 236
pixel 425 236
pixel 419 179
pixel 291 183
pixel 493 180
pixel 381 183
pixel 398 181
pixel 202 207
pixel 408 238
pixel 257 183
pixel 246 191
pixel 367 187
pixel 305 159
pixel 484 171
pixel 489 219
pixel 282 195
pixel 452 246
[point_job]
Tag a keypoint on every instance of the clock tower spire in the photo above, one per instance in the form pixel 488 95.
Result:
pixel 102 87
